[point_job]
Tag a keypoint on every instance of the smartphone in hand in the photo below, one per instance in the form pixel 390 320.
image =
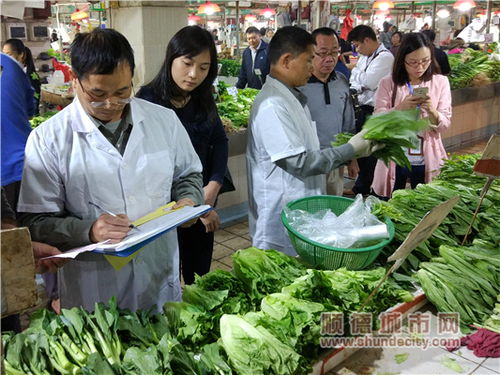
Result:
pixel 420 92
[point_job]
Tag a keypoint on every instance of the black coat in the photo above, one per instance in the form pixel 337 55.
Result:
pixel 442 60
pixel 206 133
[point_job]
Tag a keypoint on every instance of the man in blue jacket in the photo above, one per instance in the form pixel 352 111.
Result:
pixel 17 106
pixel 255 64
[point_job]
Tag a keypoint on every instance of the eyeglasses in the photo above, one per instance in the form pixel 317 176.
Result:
pixel 414 64
pixel 105 102
pixel 324 55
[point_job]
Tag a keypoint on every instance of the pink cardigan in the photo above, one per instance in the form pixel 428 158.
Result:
pixel 433 149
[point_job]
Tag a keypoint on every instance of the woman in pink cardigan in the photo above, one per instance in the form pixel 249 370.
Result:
pixel 415 67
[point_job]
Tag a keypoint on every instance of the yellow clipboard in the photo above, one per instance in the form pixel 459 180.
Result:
pixel 160 211
pixel 118 262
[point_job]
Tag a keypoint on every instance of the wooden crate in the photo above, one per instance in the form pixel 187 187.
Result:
pixel 51 98
pixel 18 271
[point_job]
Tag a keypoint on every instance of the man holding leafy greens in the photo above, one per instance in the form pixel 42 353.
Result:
pixel 284 159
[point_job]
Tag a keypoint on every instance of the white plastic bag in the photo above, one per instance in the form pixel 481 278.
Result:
pixel 355 227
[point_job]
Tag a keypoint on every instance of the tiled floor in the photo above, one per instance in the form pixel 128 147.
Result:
pixel 474 149
pixel 227 240
pixel 433 361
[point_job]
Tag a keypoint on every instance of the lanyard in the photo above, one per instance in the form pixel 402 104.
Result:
pixel 374 57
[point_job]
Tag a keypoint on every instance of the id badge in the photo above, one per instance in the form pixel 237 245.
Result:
pixel 419 150
pixel 257 72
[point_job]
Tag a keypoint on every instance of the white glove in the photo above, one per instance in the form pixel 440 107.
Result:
pixel 362 147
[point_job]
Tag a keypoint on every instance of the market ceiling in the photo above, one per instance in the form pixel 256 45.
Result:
pixel 359 4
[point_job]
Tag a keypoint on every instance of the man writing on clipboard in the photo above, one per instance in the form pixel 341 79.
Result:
pixel 126 156
pixel 373 65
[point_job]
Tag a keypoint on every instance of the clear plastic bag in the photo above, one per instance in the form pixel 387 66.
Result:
pixel 355 227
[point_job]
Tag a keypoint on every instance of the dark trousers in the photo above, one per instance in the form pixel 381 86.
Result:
pixel 416 176
pixel 366 165
pixel 12 194
pixel 195 247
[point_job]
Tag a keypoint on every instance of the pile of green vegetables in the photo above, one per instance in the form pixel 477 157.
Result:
pixel 37 120
pixel 493 322
pixel 464 280
pixel 262 319
pixel 472 68
pixel 106 342
pixel 235 110
pixel 407 207
pixel 395 129
pixel 229 68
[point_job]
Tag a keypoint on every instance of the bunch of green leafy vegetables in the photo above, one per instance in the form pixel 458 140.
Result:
pixel 464 280
pixel 37 120
pixel 229 68
pixel 407 207
pixel 255 350
pixel 493 321
pixel 265 272
pixel 343 290
pixel 396 129
pixel 458 170
pixel 236 109
pixel 195 321
pixel 468 65
pixel 105 342
pixel 293 321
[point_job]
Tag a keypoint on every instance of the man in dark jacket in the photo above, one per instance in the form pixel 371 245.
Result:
pixel 255 64
pixel 439 54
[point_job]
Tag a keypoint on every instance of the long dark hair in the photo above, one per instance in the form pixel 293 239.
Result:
pixel 189 41
pixel 410 43
pixel 18 46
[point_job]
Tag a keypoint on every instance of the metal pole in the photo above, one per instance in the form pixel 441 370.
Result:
pixel 488 16
pixel 299 21
pixel 433 15
pixel 59 35
pixel 412 7
pixel 237 28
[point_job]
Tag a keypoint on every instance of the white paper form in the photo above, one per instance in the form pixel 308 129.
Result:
pixel 172 219
pixel 156 226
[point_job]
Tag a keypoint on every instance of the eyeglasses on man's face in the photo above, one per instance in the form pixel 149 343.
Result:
pixel 106 102
pixel 324 54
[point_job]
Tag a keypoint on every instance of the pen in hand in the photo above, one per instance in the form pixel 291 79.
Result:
pixel 131 226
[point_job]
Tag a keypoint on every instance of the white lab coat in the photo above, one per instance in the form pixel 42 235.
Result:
pixel 279 128
pixel 368 72
pixel 69 162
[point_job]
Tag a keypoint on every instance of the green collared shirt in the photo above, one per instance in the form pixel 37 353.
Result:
pixel 116 132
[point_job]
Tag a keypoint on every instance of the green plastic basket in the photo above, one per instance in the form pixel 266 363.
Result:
pixel 319 255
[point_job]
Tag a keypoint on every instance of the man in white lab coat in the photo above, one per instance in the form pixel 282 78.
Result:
pixel 373 65
pixel 127 156
pixel 284 159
